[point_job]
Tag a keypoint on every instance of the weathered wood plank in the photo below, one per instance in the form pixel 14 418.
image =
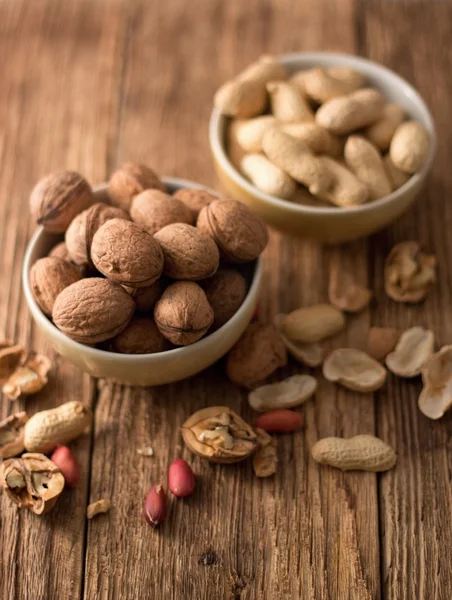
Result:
pixel 310 533
pixel 415 497
pixel 60 70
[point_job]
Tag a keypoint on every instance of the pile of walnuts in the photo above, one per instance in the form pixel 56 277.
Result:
pixel 148 269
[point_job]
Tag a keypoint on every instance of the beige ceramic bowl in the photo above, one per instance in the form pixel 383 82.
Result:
pixel 144 369
pixel 330 225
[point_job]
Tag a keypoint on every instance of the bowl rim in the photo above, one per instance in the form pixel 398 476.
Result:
pixel 299 58
pixel 117 357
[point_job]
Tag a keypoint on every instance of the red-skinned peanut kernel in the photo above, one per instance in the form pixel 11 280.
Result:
pixel 155 506
pixel 68 465
pixel 281 420
pixel 181 479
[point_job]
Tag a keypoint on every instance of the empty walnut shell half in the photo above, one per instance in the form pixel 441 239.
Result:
pixel 225 291
pixel 11 355
pixel 239 233
pixel 130 180
pixel 126 253
pixel 29 377
pixel 409 273
pixel 153 210
pixel 183 313
pixel 436 396
pixel 49 277
pixel 80 233
pixel 12 435
pixel 188 253
pixel 219 435
pixel 414 348
pixel 93 310
pixel 32 481
pixel 58 198
pixel 354 369
pixel 257 354
pixel 194 199
pixel 141 336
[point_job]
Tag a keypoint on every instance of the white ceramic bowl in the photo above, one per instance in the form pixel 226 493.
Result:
pixel 330 225
pixel 142 369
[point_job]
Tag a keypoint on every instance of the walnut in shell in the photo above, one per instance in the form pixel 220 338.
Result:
pixel 225 291
pixel 80 233
pixel 257 354
pixel 126 253
pixel 32 481
pixel 188 253
pixel 60 251
pixel 29 377
pixel 145 298
pixel 141 336
pixel 219 435
pixel 194 199
pixel 49 277
pixel 183 313
pixel 154 209
pixel 93 310
pixel 130 180
pixel 240 235
pixel 12 435
pixel 58 198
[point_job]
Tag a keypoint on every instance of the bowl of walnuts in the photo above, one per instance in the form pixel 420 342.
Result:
pixel 142 280
pixel 322 145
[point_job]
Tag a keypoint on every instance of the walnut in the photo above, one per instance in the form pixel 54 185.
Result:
pixel 240 235
pixel 126 253
pixel 130 180
pixel 183 313
pixel 225 292
pixel 153 210
pixel 48 277
pixel 12 435
pixel 145 298
pixel 219 435
pixel 93 310
pixel 194 199
pixel 32 481
pixel 58 198
pixel 141 336
pixel 60 251
pixel 257 354
pixel 80 233
pixel 188 253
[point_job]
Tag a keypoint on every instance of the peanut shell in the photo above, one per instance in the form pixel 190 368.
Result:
pixel 93 310
pixel 436 397
pixel 127 254
pixel 354 369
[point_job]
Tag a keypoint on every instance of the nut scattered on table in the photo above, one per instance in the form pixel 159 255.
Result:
pixel 307 354
pixel 29 377
pixel 99 507
pixel 414 348
pixel 381 341
pixel 354 369
pixel 287 130
pixel 265 458
pixel 12 435
pixel 358 453
pixel 32 481
pixel 409 272
pixel 436 396
pixel 218 434
pixel 288 393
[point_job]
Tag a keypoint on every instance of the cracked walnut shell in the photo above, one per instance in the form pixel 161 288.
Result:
pixel 49 277
pixel 257 354
pixel 240 234
pixel 141 336
pixel 58 198
pixel 93 310
pixel 32 481
pixel 194 199
pixel 219 435
pixel 154 209
pixel 127 254
pixel 225 291
pixel 188 253
pixel 130 180
pixel 183 313
pixel 11 356
pixel 29 377
pixel 12 435
pixel 80 233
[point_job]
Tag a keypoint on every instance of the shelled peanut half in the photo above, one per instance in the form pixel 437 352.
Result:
pixel 318 136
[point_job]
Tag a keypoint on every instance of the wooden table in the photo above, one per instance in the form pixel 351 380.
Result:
pixel 86 85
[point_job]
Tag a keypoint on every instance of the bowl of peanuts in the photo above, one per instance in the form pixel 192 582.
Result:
pixel 322 145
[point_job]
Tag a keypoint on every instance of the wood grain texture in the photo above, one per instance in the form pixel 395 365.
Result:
pixel 87 85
